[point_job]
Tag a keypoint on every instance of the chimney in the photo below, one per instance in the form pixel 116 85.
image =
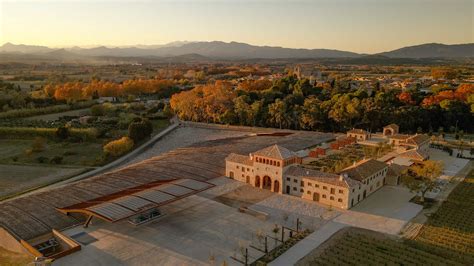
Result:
pixel 341 178
pixel 251 156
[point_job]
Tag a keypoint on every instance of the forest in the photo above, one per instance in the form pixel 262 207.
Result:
pixel 293 103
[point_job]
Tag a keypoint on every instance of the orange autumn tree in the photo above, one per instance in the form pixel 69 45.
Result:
pixel 406 98
pixel 462 93
pixel 204 103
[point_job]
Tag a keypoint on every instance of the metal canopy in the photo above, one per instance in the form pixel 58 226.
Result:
pixel 132 201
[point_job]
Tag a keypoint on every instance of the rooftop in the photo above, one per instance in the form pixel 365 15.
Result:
pixel 276 152
pixel 319 176
pixel 364 169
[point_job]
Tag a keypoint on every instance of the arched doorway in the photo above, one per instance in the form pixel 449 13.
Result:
pixel 364 195
pixel 287 189
pixel 352 202
pixel 267 183
pixel 231 174
pixel 276 186
pixel 316 196
pixel 257 181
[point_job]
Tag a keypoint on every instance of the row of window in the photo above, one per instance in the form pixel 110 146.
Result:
pixel 333 190
pixel 267 161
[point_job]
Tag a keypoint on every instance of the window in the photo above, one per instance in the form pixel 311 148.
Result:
pixel 248 169
pixel 353 190
pixel 325 188
pixel 310 184
pixel 333 191
pixel 308 192
pixel 341 191
pixel 324 196
pixel 243 169
pixel 339 200
pixel 301 190
pixel 316 185
pixel 288 179
pixel 294 188
pixel 331 198
pixel 237 167
pixel 294 180
pixel 302 183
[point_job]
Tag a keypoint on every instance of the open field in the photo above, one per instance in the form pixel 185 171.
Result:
pixel 56 116
pixel 17 178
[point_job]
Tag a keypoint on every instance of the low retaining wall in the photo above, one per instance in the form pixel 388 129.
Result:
pixel 234 128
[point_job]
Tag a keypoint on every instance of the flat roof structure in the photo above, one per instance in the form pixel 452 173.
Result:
pixel 158 180
pixel 132 201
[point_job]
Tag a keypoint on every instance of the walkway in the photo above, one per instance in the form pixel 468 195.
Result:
pixel 309 243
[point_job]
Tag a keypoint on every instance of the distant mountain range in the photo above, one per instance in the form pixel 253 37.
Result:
pixel 217 50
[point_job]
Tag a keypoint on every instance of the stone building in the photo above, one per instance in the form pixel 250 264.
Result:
pixel 278 169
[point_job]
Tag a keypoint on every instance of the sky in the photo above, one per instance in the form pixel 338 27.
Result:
pixel 364 26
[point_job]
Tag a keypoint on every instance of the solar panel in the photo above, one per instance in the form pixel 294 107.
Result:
pixel 155 196
pixel 173 189
pixel 192 184
pixel 133 203
pixel 111 211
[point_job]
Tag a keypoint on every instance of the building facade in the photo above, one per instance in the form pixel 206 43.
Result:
pixel 279 170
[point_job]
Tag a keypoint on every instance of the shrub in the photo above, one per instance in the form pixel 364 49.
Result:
pixel 118 147
pixel 56 160
pixel 98 110
pixel 38 145
pixel 140 130
pixel 62 132
pixel 42 159
pixel 28 132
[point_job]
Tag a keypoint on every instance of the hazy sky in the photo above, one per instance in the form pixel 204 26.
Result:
pixel 353 25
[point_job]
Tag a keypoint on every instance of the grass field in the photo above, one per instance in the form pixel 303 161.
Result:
pixel 56 116
pixel 8 258
pixel 447 238
pixel 82 154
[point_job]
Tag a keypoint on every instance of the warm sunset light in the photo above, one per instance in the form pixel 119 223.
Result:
pixel 236 132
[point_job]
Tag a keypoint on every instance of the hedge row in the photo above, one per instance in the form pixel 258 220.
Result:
pixel 31 132
pixel 45 110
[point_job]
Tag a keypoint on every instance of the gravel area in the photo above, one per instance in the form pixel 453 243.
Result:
pixel 182 137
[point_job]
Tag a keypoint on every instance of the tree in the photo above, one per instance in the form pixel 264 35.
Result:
pixel 140 130
pixel 118 147
pixel 62 132
pixel 278 113
pixel 423 177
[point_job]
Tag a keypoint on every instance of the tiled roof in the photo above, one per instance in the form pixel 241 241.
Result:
pixel 237 158
pixel 418 139
pixel 364 169
pixel 399 136
pixel 395 169
pixel 357 131
pixel 275 152
pixel 319 176
pixel 392 126
pixel 414 154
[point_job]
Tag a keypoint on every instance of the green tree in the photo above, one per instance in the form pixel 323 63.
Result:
pixel 140 130
pixel 277 112
pixel 422 178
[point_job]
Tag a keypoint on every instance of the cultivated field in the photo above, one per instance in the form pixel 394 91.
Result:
pixel 447 238
pixel 356 246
